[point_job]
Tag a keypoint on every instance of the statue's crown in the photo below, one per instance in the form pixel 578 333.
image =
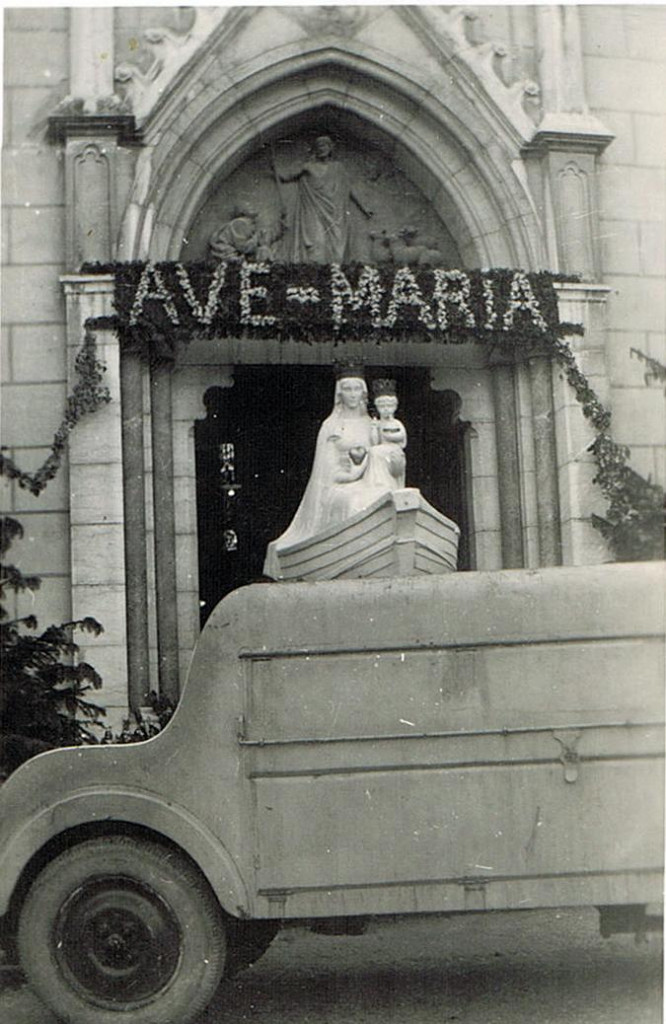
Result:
pixel 384 386
pixel 349 370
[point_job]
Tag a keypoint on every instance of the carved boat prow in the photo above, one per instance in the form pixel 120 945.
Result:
pixel 399 534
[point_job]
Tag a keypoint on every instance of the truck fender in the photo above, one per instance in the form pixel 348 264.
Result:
pixel 94 807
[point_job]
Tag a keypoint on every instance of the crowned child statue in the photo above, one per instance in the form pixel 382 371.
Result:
pixel 389 437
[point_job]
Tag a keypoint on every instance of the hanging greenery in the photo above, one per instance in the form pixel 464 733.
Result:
pixel 634 521
pixel 636 516
pixel 159 306
pixel 89 394
pixel 655 369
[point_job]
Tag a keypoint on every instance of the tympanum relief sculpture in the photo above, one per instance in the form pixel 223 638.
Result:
pixel 321 197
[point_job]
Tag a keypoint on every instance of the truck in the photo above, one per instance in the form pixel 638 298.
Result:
pixel 345 751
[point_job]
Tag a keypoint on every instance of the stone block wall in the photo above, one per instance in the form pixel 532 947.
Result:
pixel 625 69
pixel 34 370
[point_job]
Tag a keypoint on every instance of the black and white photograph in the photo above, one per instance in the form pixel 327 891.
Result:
pixel 332 467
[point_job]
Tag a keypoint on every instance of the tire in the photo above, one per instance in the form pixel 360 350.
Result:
pixel 122 931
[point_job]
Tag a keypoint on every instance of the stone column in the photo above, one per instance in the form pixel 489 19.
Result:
pixel 90 130
pixel 545 461
pixel 560 58
pixel 165 533
pixel 134 505
pixel 579 496
pixel 508 468
pixel 97 524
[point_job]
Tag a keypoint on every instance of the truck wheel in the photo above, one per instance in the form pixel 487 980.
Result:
pixel 121 930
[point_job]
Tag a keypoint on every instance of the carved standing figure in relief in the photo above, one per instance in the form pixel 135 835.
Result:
pixel 345 478
pixel 319 228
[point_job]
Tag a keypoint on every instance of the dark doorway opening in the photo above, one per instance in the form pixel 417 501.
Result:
pixel 254 453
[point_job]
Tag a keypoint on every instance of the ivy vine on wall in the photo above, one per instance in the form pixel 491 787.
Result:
pixel 88 394
pixel 655 370
pixel 634 521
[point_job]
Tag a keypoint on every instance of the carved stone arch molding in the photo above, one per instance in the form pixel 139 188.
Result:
pixel 446 132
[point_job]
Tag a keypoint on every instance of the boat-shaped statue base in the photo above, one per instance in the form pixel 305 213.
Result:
pixel 400 534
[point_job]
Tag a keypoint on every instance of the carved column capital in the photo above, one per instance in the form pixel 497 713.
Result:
pixel 92 145
pixel 568 133
pixel 562 169
pixel 91 124
pixel 74 124
pixel 560 157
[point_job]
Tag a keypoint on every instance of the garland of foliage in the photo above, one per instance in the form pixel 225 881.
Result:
pixel 160 306
pixel 89 394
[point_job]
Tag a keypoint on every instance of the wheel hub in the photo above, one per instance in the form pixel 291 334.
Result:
pixel 117 940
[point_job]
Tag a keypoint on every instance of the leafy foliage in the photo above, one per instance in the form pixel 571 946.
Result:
pixel 142 726
pixel 89 394
pixel 655 370
pixel 44 694
pixel 634 521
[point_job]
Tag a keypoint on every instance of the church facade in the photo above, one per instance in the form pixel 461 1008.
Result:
pixel 528 138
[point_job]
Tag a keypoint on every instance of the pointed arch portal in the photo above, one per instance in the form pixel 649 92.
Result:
pixel 456 149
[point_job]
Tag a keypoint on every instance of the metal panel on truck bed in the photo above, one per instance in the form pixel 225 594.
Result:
pixel 489 741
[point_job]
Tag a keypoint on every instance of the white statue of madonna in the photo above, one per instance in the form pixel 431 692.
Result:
pixel 357 460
